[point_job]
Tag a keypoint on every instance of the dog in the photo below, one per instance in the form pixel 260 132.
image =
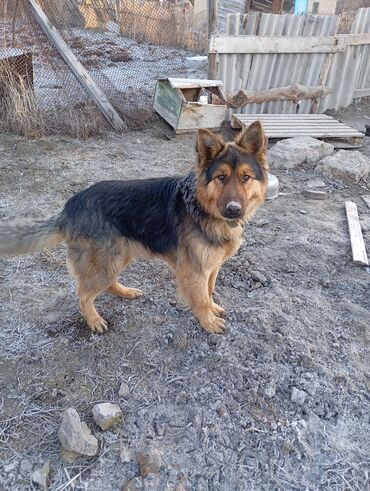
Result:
pixel 194 223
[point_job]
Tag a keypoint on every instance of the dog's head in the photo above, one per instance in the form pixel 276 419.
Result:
pixel 232 177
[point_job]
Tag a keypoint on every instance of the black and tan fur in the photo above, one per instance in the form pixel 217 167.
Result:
pixel 194 223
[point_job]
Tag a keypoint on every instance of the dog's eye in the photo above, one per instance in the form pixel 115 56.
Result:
pixel 245 178
pixel 222 178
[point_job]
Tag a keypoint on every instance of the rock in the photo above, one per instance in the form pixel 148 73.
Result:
pixel 222 411
pixel 298 396
pixel 291 152
pixel 261 222
pixel 106 415
pixel 75 435
pixel 311 194
pixel 69 457
pixel 345 164
pixel 25 467
pixel 270 390
pixel 315 182
pixel 260 277
pixel 125 454
pixel 180 340
pixel 303 212
pixel 149 461
pixel 124 390
pixel 41 476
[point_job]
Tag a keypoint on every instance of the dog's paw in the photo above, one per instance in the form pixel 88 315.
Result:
pixel 98 325
pixel 218 310
pixel 213 324
pixel 132 293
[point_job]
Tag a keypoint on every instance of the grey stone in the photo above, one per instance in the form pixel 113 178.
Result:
pixel 270 390
pixel 291 152
pixel 258 276
pixel 75 435
pixel 298 396
pixel 41 476
pixel 345 164
pixel 25 467
pixel 315 182
pixel 106 415
pixel 124 390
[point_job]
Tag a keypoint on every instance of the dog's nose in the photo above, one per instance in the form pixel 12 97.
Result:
pixel 233 208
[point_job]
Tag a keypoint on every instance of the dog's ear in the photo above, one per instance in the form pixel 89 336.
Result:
pixel 208 145
pixel 252 138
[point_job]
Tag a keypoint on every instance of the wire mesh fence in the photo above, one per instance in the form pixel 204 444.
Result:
pixel 126 45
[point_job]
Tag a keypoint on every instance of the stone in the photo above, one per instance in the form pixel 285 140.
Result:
pixel 75 436
pixel 313 194
pixel 258 276
pixel 149 461
pixel 25 467
pixel 106 415
pixel 345 164
pixel 298 396
pixel 291 152
pixel 222 411
pixel 125 454
pixel 41 476
pixel 124 390
pixel 270 390
pixel 315 182
pixel 69 457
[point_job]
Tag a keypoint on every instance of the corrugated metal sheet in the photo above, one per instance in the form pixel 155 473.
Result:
pixel 226 7
pixel 349 71
pixel 344 72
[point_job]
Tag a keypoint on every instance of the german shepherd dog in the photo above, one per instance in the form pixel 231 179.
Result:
pixel 194 223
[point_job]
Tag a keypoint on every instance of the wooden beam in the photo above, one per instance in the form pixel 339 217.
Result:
pixel 361 93
pixel 78 69
pixel 223 44
pixel 212 30
pixel 355 233
pixel 295 93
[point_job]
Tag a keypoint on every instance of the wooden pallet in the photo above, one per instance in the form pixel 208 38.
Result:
pixel 290 125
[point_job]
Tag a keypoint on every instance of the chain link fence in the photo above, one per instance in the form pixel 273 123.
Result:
pixel 126 45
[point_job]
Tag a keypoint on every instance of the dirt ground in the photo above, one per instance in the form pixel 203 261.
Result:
pixel 215 411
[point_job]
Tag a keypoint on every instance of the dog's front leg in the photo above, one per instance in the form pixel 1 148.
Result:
pixel 194 288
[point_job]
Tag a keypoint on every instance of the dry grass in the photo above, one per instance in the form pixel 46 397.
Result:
pixel 19 111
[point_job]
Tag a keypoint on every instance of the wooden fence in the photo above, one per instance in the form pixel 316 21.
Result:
pixel 265 51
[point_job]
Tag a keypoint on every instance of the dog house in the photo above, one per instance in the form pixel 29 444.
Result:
pixel 184 103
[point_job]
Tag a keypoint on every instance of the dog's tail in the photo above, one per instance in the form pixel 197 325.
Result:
pixel 24 237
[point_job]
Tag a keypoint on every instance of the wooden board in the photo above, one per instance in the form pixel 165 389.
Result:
pixel 78 69
pixel 189 83
pixel 290 125
pixel 195 115
pixel 355 233
pixel 285 44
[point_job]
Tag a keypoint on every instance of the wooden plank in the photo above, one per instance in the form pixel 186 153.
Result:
pixel 357 242
pixel 366 198
pixel 168 102
pixel 286 44
pixel 361 93
pixel 212 8
pixel 195 115
pixel 78 69
pixel 190 83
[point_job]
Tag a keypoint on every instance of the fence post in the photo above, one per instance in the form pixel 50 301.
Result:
pixel 212 30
